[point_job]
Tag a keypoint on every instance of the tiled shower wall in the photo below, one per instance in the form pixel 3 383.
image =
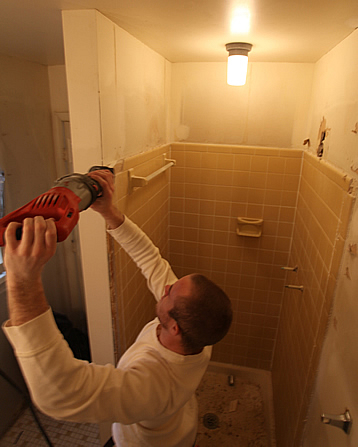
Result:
pixel 193 220
pixel 211 186
pixel 132 303
pixel 323 212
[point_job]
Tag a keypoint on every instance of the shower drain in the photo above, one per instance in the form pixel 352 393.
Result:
pixel 211 421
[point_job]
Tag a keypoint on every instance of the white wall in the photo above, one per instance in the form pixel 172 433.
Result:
pixel 143 79
pixel 26 145
pixel 335 96
pixel 26 135
pixel 58 88
pixel 70 274
pixel 118 107
pixel 26 155
pixel 117 101
pixel 82 71
pixel 134 81
pixel 270 110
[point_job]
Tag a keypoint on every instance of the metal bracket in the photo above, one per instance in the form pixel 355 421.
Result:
pixel 342 421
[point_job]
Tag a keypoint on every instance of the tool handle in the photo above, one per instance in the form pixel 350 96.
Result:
pixel 59 203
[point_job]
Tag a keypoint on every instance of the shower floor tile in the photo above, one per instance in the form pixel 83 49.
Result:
pixel 26 433
pixel 237 416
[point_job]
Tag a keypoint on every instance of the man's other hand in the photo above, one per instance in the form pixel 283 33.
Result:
pixel 25 258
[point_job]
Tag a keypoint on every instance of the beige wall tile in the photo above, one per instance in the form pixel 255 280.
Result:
pixel 303 316
pixel 242 162
pixel 210 187
pixel 259 163
pixel 209 160
pixel 225 162
pixel 240 178
pixel 257 180
pixel 193 159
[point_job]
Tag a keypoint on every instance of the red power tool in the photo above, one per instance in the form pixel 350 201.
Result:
pixel 70 195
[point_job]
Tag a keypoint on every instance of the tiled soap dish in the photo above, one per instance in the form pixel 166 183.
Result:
pixel 248 226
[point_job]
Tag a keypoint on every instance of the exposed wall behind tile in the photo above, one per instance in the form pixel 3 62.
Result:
pixel 211 186
pixel 323 212
pixel 205 109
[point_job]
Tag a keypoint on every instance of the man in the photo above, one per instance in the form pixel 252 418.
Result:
pixel 150 396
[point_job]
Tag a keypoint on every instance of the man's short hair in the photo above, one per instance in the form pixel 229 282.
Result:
pixel 204 318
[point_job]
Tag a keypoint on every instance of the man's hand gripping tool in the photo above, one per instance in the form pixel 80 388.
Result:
pixel 70 195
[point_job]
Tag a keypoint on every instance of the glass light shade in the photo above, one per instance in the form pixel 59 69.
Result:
pixel 237 69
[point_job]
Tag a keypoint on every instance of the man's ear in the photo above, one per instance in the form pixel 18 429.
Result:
pixel 174 328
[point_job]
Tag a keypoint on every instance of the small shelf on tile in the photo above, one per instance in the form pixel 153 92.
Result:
pixel 248 226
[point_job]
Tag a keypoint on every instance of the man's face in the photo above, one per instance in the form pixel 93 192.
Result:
pixel 182 288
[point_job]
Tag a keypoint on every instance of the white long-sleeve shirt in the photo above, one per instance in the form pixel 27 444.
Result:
pixel 150 396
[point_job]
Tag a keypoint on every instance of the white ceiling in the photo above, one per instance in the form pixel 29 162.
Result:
pixel 186 30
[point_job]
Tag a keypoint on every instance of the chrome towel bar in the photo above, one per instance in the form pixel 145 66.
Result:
pixel 138 182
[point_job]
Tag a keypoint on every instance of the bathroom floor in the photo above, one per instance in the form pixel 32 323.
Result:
pixel 240 415
pixel 26 433
pixel 237 416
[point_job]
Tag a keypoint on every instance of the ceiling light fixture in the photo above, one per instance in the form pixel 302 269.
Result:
pixel 237 62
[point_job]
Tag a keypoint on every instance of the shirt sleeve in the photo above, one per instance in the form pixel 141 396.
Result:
pixel 146 255
pixel 67 388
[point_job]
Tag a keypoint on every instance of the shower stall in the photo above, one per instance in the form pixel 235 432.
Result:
pixel 191 212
